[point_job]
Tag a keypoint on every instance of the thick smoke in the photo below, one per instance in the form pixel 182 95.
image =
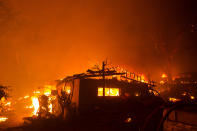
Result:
pixel 42 40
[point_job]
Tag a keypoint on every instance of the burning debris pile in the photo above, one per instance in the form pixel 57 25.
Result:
pixel 5 104
pixel 42 101
pixel 181 88
pixel 38 104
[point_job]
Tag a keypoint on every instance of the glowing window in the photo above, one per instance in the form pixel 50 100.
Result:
pixel 107 92
pixel 112 92
pixel 100 91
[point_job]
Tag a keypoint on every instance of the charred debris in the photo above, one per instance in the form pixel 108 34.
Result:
pixel 181 88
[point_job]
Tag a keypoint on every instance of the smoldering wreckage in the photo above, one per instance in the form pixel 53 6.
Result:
pixel 111 98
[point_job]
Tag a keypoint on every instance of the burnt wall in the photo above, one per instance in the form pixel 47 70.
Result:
pixel 75 90
pixel 88 92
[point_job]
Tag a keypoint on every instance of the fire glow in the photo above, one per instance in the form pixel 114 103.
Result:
pixel 164 75
pixel 3 119
pixel 173 99
pixel 35 104
pixel 35 99
pixel 108 91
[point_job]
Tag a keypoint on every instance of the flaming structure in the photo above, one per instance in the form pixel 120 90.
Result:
pixel 102 83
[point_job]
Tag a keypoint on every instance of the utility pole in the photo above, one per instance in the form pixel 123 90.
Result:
pixel 103 73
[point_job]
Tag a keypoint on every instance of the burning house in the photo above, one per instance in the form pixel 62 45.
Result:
pixel 105 88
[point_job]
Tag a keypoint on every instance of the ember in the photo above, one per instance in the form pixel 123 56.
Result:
pixel 136 94
pixel 164 76
pixel 128 120
pixel 27 96
pixel 173 99
pixel 3 119
pixel 192 97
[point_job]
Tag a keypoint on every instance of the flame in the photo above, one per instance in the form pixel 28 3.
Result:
pixel 173 99
pixel 27 96
pixel 154 92
pixel 3 119
pixel 136 94
pixel 8 103
pixel 108 91
pixel 44 91
pixel 184 94
pixel 164 75
pixel 5 104
pixel 113 76
pixel 143 79
pixel 112 92
pixel 192 97
pixel 35 104
pixel 29 107
pixel 161 82
pixel 128 120
pixel 100 91
pixel 67 89
pixel 50 107
pixel 36 92
pixel 3 99
pixel 47 92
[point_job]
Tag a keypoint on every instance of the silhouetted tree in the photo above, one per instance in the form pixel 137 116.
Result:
pixel 3 92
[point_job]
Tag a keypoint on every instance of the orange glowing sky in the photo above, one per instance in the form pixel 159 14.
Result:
pixel 42 40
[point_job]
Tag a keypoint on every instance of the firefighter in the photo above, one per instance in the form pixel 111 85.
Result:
pixel 43 109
